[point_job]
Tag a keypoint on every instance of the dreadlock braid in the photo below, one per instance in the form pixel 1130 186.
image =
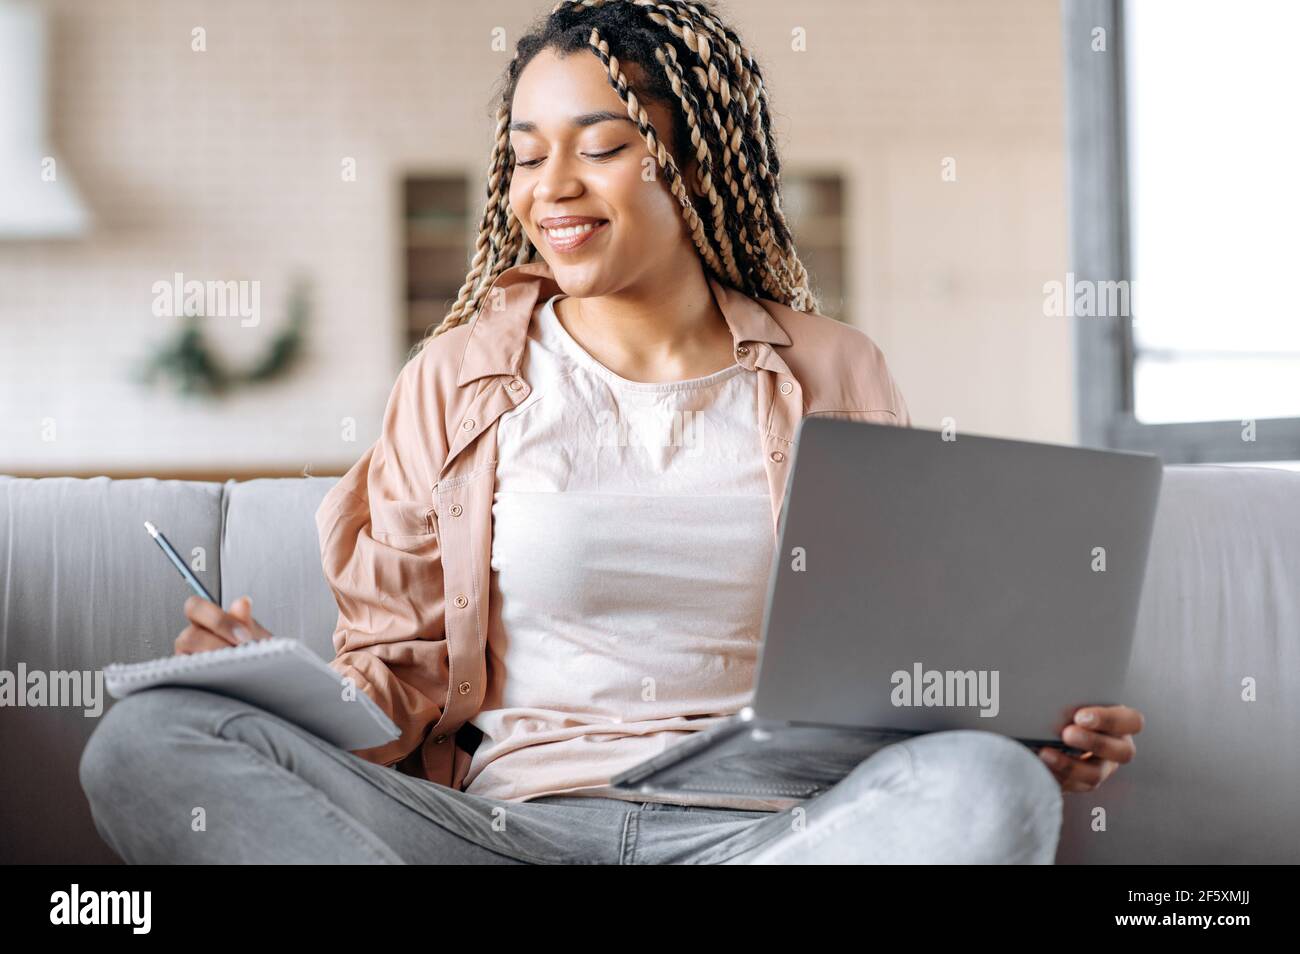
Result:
pixel 712 80
pixel 657 149
pixel 760 126
pixel 488 233
pixel 667 57
pixel 739 108
pixel 691 62
pixel 756 125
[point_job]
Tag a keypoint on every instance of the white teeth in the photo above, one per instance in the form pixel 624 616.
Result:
pixel 573 230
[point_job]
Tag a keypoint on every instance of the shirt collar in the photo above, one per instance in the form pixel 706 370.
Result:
pixel 499 332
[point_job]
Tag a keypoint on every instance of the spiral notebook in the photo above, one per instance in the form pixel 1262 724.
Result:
pixel 282 676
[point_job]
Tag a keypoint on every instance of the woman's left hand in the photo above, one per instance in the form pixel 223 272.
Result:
pixel 1105 733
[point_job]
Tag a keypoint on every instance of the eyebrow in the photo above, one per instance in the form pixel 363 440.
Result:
pixel 586 119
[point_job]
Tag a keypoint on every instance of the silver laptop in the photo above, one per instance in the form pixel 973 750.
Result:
pixel 922 585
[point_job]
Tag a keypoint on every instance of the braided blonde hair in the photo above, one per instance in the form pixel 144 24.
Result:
pixel 696 65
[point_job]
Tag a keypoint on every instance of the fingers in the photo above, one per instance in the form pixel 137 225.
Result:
pixel 210 616
pixel 213 628
pixel 1110 720
pixel 1120 750
pixel 1105 734
pixel 194 639
pixel 242 609
pixel 1075 775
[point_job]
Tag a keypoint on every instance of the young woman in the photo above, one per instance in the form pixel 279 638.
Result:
pixel 552 564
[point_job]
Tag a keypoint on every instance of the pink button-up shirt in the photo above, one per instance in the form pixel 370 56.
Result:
pixel 406 533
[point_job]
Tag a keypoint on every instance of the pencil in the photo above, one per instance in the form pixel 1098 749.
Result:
pixel 177 562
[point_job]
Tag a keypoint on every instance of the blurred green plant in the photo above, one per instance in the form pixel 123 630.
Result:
pixel 188 364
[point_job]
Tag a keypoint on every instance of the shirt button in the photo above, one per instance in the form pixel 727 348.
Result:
pixel 786 387
pixel 464 688
pixel 468 425
pixel 777 456
pixel 439 739
pixel 456 510
pixel 515 385
pixel 742 350
pixel 461 601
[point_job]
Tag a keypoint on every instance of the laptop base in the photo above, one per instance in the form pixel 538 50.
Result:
pixel 762 764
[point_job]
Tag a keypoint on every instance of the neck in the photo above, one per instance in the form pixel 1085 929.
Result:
pixel 663 328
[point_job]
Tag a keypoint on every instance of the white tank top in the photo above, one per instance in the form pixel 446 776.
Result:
pixel 632 545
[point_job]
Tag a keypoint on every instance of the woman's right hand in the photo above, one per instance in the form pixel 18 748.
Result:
pixel 211 627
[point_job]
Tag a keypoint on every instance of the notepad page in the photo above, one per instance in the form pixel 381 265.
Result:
pixel 279 675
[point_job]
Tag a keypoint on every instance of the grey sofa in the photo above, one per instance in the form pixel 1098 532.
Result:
pixel 1217 778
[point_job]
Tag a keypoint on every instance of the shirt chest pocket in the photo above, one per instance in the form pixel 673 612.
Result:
pixel 409 525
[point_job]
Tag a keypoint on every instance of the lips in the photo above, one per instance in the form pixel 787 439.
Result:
pixel 561 221
pixel 569 232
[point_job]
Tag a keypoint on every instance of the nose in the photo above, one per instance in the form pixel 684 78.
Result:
pixel 557 180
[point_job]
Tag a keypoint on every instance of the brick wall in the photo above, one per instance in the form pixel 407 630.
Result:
pixel 226 164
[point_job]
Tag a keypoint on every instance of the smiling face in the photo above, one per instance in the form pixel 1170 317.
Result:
pixel 577 153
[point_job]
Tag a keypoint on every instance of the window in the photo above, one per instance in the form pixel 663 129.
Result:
pixel 437 240
pixel 815 211
pixel 1180 147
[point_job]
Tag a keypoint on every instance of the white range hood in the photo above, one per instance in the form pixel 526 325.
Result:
pixel 30 206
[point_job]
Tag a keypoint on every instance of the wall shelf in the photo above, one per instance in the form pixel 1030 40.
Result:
pixel 437 233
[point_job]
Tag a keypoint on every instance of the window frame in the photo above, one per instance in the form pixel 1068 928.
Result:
pixel 1097 159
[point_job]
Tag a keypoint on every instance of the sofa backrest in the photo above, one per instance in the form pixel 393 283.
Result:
pixel 1216 775
pixel 270 553
pixel 82 585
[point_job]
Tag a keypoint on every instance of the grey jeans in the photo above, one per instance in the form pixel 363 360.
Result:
pixel 176 775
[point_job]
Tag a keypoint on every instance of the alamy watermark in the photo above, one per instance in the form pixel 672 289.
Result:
pixel 946 688
pixel 647 427
pixel 75 906
pixel 211 299
pixel 1084 298
pixel 58 688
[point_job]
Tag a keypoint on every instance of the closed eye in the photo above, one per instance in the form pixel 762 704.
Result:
pixel 533 163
